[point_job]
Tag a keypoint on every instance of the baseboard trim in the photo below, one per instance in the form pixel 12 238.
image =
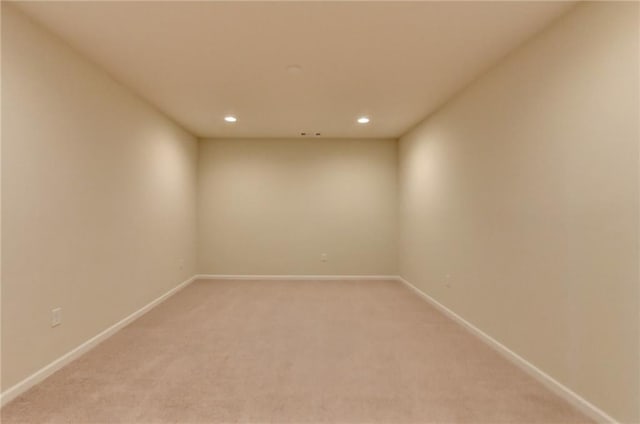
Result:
pixel 35 378
pixel 552 384
pixel 295 277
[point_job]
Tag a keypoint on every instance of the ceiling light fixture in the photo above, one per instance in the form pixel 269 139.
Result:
pixel 230 118
pixel 363 120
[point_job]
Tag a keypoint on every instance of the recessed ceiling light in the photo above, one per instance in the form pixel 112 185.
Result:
pixel 230 118
pixel 363 120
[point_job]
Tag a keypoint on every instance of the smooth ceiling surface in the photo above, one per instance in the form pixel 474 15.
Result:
pixel 197 61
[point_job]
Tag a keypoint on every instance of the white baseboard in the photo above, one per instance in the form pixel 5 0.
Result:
pixel 295 277
pixel 35 378
pixel 552 384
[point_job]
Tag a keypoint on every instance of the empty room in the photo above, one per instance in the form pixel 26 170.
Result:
pixel 315 212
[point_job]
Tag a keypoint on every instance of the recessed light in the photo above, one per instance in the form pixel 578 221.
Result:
pixel 363 120
pixel 230 118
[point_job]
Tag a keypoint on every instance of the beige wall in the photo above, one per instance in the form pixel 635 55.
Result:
pixel 522 194
pixel 98 200
pixel 273 206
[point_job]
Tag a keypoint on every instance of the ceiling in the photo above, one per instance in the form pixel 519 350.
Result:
pixel 198 61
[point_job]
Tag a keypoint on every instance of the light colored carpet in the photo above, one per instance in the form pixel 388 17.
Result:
pixel 291 352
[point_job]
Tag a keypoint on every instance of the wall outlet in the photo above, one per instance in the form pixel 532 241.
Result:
pixel 323 257
pixel 56 317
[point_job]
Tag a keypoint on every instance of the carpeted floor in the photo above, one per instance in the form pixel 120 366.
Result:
pixel 291 352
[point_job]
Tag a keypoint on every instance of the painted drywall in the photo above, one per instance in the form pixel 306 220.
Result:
pixel 98 199
pixel 519 204
pixel 274 206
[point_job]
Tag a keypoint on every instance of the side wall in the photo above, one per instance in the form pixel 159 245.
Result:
pixel 274 206
pixel 98 199
pixel 519 204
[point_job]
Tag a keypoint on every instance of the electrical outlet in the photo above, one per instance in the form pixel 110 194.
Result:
pixel 323 257
pixel 56 317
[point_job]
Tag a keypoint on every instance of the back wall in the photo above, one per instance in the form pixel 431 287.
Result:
pixel 275 206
